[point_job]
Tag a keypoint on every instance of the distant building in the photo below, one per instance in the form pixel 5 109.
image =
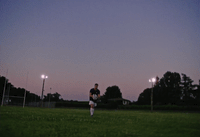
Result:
pixel 120 101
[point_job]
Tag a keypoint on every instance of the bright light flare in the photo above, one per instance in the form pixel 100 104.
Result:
pixel 152 80
pixel 149 80
pixel 43 76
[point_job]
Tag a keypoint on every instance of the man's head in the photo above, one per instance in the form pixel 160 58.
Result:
pixel 95 86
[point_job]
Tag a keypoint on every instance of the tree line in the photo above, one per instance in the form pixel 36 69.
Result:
pixel 172 89
pixel 15 95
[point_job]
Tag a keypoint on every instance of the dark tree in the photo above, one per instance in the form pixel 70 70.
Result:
pixel 11 91
pixel 196 93
pixel 144 97
pixel 2 82
pixel 31 97
pixel 113 92
pixel 166 91
pixel 188 89
pixel 172 89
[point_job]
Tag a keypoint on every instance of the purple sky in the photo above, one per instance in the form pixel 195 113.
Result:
pixel 111 42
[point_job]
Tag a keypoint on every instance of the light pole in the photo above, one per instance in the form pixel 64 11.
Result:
pixel 24 103
pixel 152 80
pixel 49 96
pixel 43 77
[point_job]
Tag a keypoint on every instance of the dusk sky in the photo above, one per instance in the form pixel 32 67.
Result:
pixel 109 42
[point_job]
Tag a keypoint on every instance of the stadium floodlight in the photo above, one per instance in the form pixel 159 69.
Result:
pixel 43 77
pixel 152 80
pixel 149 80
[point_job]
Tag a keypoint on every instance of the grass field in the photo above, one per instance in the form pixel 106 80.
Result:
pixel 38 122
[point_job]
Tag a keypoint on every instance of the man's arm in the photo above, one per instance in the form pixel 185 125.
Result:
pixel 90 95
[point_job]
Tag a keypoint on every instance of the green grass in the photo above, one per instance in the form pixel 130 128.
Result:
pixel 38 122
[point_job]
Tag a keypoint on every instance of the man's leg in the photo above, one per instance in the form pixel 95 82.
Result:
pixel 91 109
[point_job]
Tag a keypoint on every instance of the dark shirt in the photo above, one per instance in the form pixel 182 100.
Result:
pixel 94 92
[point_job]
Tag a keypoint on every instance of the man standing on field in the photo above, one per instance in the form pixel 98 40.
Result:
pixel 94 95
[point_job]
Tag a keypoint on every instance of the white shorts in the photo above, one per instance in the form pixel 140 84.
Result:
pixel 91 102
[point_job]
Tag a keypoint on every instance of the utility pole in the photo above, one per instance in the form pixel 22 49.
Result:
pixel 43 77
pixel 152 98
pixel 152 80
pixel 25 91
pixel 49 97
pixel 42 93
pixel 9 92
